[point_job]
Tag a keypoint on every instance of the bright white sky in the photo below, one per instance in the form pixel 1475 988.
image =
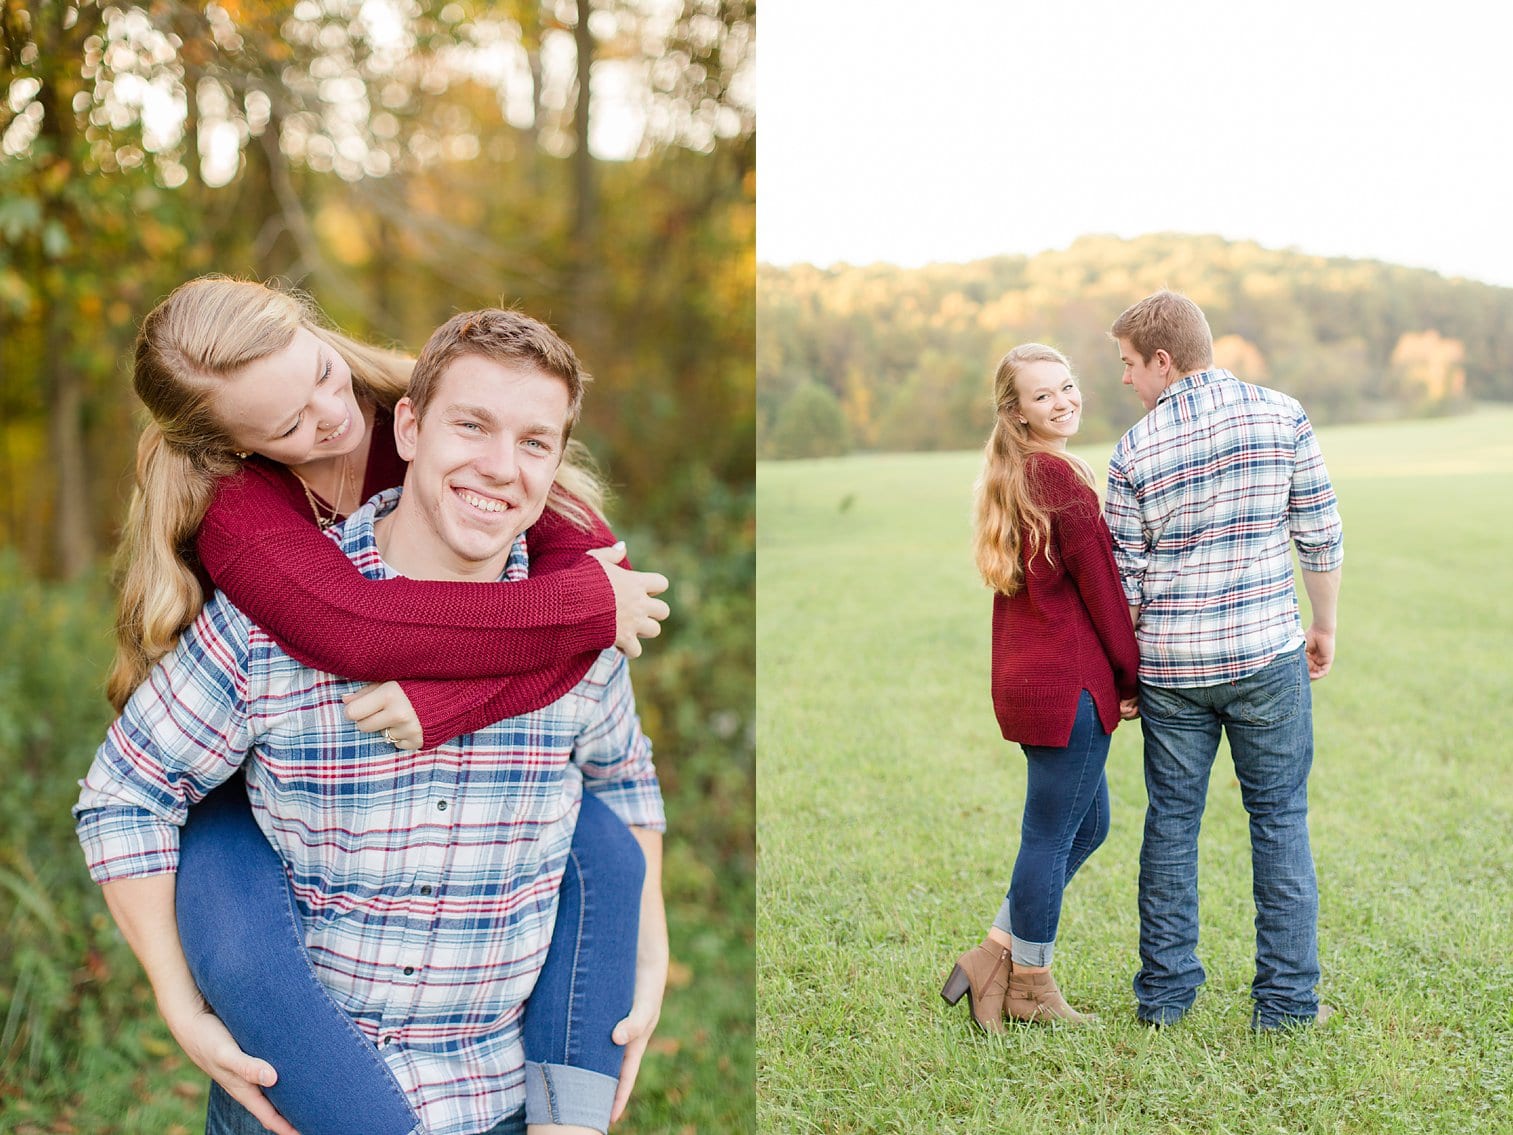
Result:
pixel 920 131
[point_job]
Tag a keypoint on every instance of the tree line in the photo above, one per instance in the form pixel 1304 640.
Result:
pixel 885 358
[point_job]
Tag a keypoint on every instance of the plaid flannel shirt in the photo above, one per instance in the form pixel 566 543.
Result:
pixel 1205 493
pixel 426 882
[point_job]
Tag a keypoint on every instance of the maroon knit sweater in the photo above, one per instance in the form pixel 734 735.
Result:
pixel 467 654
pixel 1068 629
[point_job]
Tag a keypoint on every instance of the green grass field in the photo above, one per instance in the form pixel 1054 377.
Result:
pixel 888 810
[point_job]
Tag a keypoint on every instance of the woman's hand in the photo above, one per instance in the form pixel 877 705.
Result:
pixel 1129 709
pixel 638 611
pixel 205 1040
pixel 652 955
pixel 634 1031
pixel 383 707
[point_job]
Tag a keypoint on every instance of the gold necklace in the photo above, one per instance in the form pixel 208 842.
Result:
pixel 324 522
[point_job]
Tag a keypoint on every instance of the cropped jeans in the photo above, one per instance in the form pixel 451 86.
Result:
pixel 1268 718
pixel 1066 819
pixel 243 941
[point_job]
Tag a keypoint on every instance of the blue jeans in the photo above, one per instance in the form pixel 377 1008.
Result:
pixel 1268 718
pixel 586 985
pixel 1066 819
pixel 242 938
pixel 224 1116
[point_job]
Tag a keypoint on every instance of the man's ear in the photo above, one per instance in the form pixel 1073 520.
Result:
pixel 1163 360
pixel 406 427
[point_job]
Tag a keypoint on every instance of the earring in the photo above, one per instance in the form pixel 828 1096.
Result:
pixel 1024 421
pixel 242 454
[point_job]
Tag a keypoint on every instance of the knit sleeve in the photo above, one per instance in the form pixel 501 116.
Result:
pixel 448 709
pixel 265 554
pixel 557 544
pixel 1122 515
pixel 1082 539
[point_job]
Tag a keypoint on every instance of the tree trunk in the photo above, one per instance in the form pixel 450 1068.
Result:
pixel 73 541
pixel 385 306
pixel 586 316
pixel 73 536
pixel 273 252
pixel 533 133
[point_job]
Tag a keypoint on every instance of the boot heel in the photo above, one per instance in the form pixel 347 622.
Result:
pixel 957 984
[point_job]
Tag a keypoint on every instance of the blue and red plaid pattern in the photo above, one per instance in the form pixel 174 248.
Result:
pixel 1205 494
pixel 426 881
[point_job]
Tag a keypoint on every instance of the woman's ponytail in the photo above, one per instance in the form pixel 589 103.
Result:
pixel 160 595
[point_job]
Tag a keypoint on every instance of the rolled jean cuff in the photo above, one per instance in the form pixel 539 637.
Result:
pixel 1002 920
pixel 560 1093
pixel 1031 953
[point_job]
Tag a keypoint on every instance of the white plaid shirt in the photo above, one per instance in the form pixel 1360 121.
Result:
pixel 426 881
pixel 1205 493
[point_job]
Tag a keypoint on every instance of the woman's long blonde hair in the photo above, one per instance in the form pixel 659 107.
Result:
pixel 204 332
pixel 1005 509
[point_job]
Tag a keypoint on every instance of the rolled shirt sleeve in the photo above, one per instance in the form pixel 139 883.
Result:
pixel 184 731
pixel 1313 514
pixel 613 753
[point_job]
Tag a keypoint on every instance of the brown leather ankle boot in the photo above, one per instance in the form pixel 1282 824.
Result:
pixel 982 973
pixel 1034 997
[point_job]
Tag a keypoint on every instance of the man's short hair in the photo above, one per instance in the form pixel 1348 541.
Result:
pixel 508 337
pixel 1171 322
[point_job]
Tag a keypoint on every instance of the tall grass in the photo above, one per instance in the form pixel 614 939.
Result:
pixel 82 1049
pixel 888 811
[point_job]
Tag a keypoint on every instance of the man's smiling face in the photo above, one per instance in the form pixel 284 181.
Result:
pixel 482 461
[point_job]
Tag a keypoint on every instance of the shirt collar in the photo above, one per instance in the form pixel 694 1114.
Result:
pixel 1192 382
pixel 356 537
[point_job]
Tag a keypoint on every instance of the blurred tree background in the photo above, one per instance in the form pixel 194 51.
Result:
pixel 907 355
pixel 588 160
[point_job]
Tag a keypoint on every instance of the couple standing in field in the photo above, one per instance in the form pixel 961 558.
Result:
pixel 1174 605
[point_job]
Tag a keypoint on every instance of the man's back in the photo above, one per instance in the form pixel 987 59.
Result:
pixel 1204 495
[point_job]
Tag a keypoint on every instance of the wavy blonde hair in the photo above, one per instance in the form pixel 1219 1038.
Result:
pixel 203 333
pixel 1009 525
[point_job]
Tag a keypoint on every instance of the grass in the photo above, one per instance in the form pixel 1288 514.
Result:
pixel 888 810
pixel 82 1049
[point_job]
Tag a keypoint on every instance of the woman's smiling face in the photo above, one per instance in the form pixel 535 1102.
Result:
pixel 1050 404
pixel 294 406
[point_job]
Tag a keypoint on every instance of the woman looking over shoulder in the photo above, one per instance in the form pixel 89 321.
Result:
pixel 267 427
pixel 1064 673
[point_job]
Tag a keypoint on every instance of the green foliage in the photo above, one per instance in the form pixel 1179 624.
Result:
pixel 889 811
pixel 810 424
pixel 54 643
pixel 696 689
pixel 909 354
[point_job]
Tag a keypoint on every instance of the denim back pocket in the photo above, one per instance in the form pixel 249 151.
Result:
pixel 1269 696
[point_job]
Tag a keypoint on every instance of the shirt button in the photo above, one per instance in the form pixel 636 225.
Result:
pixel 409 970
pixel 441 805
pixel 425 890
